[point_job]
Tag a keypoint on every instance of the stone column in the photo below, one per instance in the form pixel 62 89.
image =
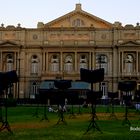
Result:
pixel 1 62
pixel 137 58
pixel 93 60
pixel 61 62
pixel 43 61
pixel 47 61
pixel 90 61
pixel 115 67
pixel 76 64
pixel 122 62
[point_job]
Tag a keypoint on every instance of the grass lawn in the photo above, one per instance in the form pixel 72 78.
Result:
pixel 27 125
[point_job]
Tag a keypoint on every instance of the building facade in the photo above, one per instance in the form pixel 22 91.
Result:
pixel 58 49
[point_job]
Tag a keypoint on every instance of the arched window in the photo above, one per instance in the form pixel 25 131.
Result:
pixel 9 62
pixel 68 63
pixel 54 67
pixel 102 62
pixel 34 64
pixel 83 61
pixel 129 63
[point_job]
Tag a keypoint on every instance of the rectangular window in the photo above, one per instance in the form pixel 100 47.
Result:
pixel 55 67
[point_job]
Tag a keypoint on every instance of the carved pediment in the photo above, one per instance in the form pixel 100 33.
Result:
pixel 129 43
pixel 8 43
pixel 79 18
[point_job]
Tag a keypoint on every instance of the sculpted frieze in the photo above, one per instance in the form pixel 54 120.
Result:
pixel 129 35
pixel 81 36
pixel 9 36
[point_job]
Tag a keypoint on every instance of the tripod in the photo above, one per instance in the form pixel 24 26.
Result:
pixel 1 119
pixel 126 120
pixel 73 97
pixel 127 87
pixel 37 106
pixel 62 85
pixel 61 115
pixel 93 123
pixel 45 114
pixel 72 115
pixel 92 76
pixel 5 124
pixel 7 80
pixel 36 112
pixel 112 115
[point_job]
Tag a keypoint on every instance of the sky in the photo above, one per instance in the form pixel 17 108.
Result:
pixel 29 12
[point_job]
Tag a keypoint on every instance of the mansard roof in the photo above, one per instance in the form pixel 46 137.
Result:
pixel 87 19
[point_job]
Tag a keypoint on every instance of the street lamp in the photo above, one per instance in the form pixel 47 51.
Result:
pixel 100 61
pixel 18 77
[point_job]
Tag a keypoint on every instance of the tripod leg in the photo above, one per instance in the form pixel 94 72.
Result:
pixel 6 125
pixel 93 123
pixel 1 119
pixel 126 121
pixel 61 116
pixel 89 127
pixel 45 114
pixel 36 112
pixel 112 115
pixel 72 115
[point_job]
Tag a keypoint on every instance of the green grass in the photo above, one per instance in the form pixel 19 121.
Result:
pixel 26 126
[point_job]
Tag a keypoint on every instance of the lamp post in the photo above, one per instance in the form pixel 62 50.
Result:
pixel 100 61
pixel 18 77
pixel 102 86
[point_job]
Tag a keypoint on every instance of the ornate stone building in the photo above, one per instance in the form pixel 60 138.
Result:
pixel 58 49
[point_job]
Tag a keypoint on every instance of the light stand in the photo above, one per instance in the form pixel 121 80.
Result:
pixel 1 119
pixel 8 79
pixel 137 105
pixel 45 113
pixel 127 87
pixel 92 76
pixel 5 124
pixel 37 102
pixel 79 106
pixel 43 97
pixel 93 96
pixel 62 85
pixel 72 98
pixel 112 96
pixel 1 102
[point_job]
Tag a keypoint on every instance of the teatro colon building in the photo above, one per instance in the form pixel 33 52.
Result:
pixel 59 48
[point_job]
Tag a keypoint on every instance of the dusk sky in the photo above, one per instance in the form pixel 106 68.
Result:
pixel 29 12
